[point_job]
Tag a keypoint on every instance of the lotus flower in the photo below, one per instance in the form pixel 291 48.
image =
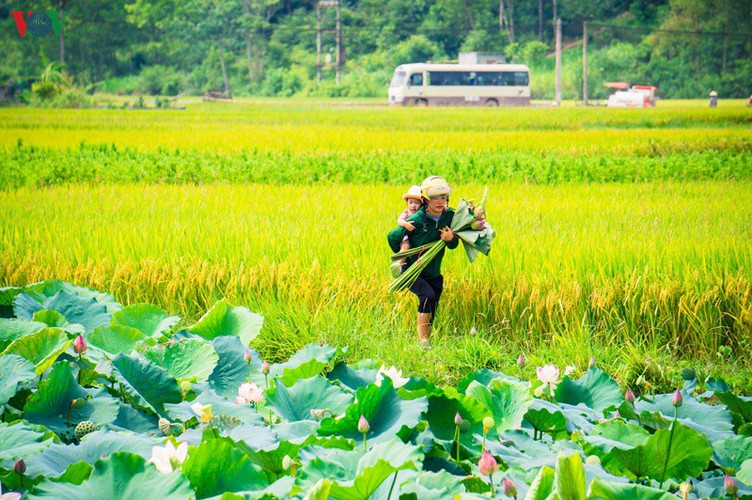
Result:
pixel 457 419
pixel 9 495
pixel 168 458
pixel 265 368
pixel 591 364
pixel 478 225
pixel 247 356
pixel 678 399
pixel 508 487
pixel 521 361
pixel 548 374
pixel 473 331
pixel 249 393
pixel 203 411
pixel 393 373
pixel 730 485
pixel 20 467
pixel 569 370
pixel 363 425
pixel 79 345
pixel 487 464
pixel 629 396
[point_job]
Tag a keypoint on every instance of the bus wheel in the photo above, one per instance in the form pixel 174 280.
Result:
pixel 421 102
pixel 492 103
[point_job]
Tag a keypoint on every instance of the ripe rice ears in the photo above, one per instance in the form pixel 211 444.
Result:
pixel 473 230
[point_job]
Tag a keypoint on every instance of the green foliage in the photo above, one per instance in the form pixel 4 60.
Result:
pixel 240 449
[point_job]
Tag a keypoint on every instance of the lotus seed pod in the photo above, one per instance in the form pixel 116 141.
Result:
pixel 677 400
pixel 593 460
pixel 508 487
pixel 629 396
pixel 488 424
pixel 165 427
pixel 84 428
pixel 363 425
pixel 78 403
pixel 688 374
pixel 20 467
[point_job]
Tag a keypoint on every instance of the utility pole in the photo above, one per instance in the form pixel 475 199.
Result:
pixel 337 31
pixel 558 62
pixel 584 65
pixel 339 43
pixel 318 43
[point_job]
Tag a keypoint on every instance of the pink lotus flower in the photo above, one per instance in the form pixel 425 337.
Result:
pixel 20 467
pixel 265 368
pixel 487 464
pixel 629 396
pixel 79 345
pixel 678 399
pixel 249 393
pixel 730 485
pixel 363 425
pixel 457 419
pixel 247 356
pixel 521 361
pixel 548 374
pixel 508 487
pixel 478 225
pixel 9 495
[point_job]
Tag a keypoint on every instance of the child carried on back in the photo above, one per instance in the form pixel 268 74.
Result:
pixel 414 201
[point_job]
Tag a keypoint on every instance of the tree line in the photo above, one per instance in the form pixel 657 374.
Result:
pixel 269 47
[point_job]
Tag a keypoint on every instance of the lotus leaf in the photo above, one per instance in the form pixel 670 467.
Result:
pixel 231 369
pixel 506 400
pixel 17 372
pixel 217 465
pixel 607 490
pixel 316 393
pixel 116 339
pixel 56 459
pixel 12 329
pixel 384 410
pixel 595 389
pixel 121 475
pixel 147 318
pixel 688 455
pixel 20 440
pixel 189 359
pixel 732 451
pixel 51 404
pixel 149 384
pixel 223 320
pixel 41 348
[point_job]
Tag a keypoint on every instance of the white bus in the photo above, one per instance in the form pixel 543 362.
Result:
pixel 460 84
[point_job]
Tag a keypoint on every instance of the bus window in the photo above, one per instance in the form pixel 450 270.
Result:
pixel 416 79
pixel 521 79
pixel 398 79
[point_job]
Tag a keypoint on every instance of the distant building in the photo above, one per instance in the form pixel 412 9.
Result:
pixel 481 58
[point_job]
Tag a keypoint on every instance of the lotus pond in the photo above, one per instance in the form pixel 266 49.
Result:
pixel 101 400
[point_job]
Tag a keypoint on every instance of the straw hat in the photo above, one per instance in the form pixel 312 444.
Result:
pixel 713 93
pixel 413 192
